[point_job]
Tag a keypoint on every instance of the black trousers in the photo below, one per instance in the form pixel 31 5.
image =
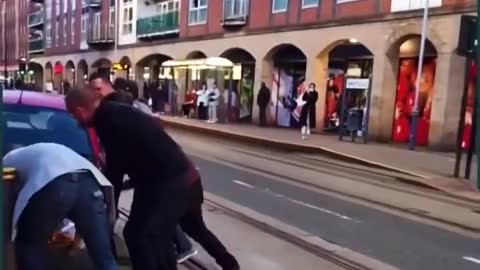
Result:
pixel 263 115
pixel 193 225
pixel 202 111
pixel 150 230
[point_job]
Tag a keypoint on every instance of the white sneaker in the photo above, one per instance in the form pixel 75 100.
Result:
pixel 186 255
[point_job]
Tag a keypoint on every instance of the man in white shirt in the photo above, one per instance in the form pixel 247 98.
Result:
pixel 57 183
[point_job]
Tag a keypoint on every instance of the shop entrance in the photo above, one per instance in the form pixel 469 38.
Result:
pixel 242 84
pixel 289 68
pixel 348 59
pixel 405 94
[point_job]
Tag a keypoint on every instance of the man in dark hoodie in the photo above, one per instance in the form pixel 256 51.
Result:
pixel 192 222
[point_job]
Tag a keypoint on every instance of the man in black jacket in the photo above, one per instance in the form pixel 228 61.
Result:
pixel 136 145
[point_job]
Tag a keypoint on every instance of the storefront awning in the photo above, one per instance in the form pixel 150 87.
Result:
pixel 204 63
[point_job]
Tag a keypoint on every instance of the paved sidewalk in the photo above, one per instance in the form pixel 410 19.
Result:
pixel 253 248
pixel 432 168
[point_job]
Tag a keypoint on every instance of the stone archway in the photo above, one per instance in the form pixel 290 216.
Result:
pixel 126 71
pixel 35 75
pixel 48 76
pixel 82 72
pixel 243 79
pixel 338 59
pixel 196 55
pixel 103 66
pixel 283 71
pixel 70 71
pixel 58 70
pixel 148 72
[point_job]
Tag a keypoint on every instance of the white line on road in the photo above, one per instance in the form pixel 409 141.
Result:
pixel 243 184
pixel 471 259
pixel 311 206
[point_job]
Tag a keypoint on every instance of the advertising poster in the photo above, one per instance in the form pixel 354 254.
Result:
pixel 246 93
pixel 333 99
pixel 471 86
pixel 286 89
pixel 405 98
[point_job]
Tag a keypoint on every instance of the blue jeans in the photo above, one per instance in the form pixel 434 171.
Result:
pixel 75 196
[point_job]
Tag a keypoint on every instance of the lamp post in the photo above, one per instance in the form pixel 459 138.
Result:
pixel 415 112
pixel 477 95
pixel 5 69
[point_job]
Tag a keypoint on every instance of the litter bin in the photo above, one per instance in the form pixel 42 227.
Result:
pixel 354 122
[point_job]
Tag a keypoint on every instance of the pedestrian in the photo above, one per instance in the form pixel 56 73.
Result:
pixel 202 103
pixel 307 115
pixel 263 99
pixel 184 248
pixel 69 188
pixel 138 146
pixel 213 94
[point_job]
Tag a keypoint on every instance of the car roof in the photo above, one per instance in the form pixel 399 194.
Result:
pixel 38 99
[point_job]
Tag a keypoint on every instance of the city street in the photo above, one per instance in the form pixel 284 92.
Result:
pixel 395 238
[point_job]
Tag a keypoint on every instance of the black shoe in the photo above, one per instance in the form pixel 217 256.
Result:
pixel 236 267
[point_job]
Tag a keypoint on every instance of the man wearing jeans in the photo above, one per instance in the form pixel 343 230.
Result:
pixel 56 184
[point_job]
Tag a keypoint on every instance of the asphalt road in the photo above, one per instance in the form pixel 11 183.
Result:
pixel 395 240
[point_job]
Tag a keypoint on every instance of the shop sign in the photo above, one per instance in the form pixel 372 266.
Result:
pixel 357 83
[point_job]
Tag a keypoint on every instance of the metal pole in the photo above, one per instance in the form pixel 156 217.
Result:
pixel 416 113
pixel 477 96
pixel 461 122
pixel 5 44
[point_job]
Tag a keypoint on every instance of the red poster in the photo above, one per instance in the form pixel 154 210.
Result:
pixel 407 76
pixel 471 86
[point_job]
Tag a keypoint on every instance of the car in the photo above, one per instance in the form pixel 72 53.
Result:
pixel 32 117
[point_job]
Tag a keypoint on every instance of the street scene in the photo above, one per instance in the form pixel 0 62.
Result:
pixel 240 134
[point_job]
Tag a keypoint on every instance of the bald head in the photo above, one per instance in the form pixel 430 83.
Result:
pixel 82 103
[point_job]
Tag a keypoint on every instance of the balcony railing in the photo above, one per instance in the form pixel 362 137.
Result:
pixel 93 3
pixel 235 12
pixel 36 46
pixel 103 35
pixel 37 18
pixel 162 24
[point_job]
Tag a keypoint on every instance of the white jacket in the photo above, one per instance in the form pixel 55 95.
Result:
pixel 202 97
pixel 213 99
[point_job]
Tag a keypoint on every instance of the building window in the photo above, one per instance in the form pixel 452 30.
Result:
pixel 406 5
pixel 57 8
pixel 48 35
pixel 279 6
pixel 65 6
pixel 83 26
pixel 127 24
pixel 97 19
pixel 72 29
pixel 111 27
pixel 73 5
pixel 309 3
pixel 57 33
pixel 235 9
pixel 65 31
pixel 198 11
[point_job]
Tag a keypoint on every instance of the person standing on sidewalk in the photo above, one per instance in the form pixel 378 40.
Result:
pixel 69 188
pixel 202 103
pixel 139 147
pixel 263 99
pixel 307 116
pixel 213 96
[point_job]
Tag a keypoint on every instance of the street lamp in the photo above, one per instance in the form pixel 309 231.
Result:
pixel 415 112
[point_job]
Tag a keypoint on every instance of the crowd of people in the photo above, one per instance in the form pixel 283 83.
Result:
pixel 167 188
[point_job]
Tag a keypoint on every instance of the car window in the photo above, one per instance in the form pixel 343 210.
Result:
pixel 25 125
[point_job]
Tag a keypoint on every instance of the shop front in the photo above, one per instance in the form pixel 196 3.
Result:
pixel 405 91
pixel 289 68
pixel 347 60
pixel 191 83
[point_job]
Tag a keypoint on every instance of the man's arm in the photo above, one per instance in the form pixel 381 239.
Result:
pixel 114 174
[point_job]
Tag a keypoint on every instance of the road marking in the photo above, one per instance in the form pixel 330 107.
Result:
pixel 243 184
pixel 471 259
pixel 311 206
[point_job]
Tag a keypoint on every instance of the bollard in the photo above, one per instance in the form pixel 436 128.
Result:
pixel 9 199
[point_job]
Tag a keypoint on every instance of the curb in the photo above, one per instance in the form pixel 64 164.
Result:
pixel 342 256
pixel 405 176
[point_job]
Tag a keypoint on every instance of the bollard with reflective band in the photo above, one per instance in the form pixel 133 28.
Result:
pixel 9 199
